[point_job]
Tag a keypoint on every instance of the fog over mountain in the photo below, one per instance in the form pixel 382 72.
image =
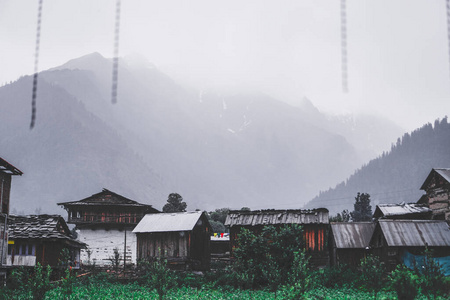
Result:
pixel 215 149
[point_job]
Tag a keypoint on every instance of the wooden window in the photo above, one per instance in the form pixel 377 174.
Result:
pixel 31 249
pixel 309 238
pixel 320 242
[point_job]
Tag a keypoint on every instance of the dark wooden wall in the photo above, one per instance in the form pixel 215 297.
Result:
pixel 190 247
pixel 5 189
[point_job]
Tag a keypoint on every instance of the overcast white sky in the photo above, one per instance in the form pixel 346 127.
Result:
pixel 397 49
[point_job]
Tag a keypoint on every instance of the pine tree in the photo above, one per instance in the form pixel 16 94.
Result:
pixel 362 208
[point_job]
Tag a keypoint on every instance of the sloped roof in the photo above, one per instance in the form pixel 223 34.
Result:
pixel 106 198
pixel 352 235
pixel 415 233
pixel 47 227
pixel 274 217
pixel 166 222
pixel 393 210
pixel 443 172
pixel 6 167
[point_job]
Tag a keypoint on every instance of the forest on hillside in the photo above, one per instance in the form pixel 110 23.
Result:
pixel 397 175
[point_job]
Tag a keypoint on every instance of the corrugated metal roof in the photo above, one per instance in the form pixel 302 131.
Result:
pixel 410 233
pixel 273 217
pixel 390 210
pixel 164 222
pixel 352 235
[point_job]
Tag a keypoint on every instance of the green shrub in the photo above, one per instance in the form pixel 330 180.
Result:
pixel 67 283
pixel 338 276
pixel 34 283
pixel 160 278
pixel 265 259
pixel 431 277
pixel 404 282
pixel 372 273
pixel 301 279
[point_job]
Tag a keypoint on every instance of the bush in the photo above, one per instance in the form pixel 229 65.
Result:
pixel 265 259
pixel 35 283
pixel 160 278
pixel 372 273
pixel 404 282
pixel 431 277
pixel 338 276
pixel 301 279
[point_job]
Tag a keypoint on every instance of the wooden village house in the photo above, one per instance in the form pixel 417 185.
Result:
pixel 314 222
pixel 7 170
pixel 104 222
pixel 349 242
pixel 40 239
pixel 182 238
pixel 394 240
pixel 437 188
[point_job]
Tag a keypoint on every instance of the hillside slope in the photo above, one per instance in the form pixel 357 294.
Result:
pixel 397 175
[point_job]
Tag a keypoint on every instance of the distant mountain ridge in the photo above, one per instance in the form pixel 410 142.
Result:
pixel 397 175
pixel 215 150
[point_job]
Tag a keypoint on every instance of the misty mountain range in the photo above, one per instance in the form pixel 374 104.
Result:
pixel 216 150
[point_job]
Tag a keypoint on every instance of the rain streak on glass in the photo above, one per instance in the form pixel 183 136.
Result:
pixel 115 72
pixel 36 64
pixel 344 59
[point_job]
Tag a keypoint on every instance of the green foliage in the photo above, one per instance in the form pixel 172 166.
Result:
pixel 67 283
pixel 159 277
pixel 372 273
pixel 265 259
pixel 67 278
pixel 34 283
pixel 217 219
pixel 431 277
pixel 300 279
pixel 174 204
pixel 362 208
pixel 338 276
pixel 115 259
pixel 404 282
pixel 341 217
pixel 217 226
pixel 219 215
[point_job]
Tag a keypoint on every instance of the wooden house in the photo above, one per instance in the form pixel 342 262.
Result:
pixel 437 188
pixel 6 172
pixel 40 239
pixel 182 238
pixel 314 222
pixel 104 222
pixel 403 211
pixel 392 240
pixel 349 242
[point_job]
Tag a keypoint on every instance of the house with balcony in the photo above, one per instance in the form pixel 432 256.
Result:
pixel 104 222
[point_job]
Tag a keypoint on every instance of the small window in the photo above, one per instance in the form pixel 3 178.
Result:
pixel 10 247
